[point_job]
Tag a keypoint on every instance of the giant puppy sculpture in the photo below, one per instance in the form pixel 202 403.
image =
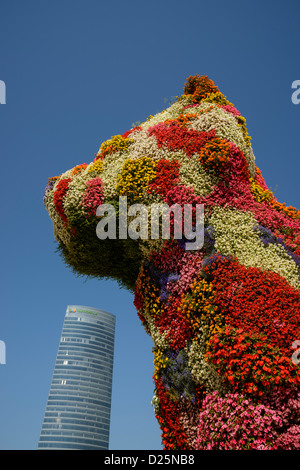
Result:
pixel 224 317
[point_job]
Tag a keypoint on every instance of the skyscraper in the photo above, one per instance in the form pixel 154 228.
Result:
pixel 77 414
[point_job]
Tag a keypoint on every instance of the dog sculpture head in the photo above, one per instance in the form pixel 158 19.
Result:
pixel 166 159
pixel 225 313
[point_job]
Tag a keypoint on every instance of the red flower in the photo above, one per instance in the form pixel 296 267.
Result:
pixel 167 176
pixel 59 195
pixel 199 87
pixel 175 137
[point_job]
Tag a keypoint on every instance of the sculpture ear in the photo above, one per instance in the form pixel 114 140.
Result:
pixel 2 92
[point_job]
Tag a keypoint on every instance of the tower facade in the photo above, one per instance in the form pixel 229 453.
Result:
pixel 78 409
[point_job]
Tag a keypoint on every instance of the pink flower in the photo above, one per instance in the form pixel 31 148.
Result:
pixel 93 195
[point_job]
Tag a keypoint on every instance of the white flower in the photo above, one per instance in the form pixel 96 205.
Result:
pixel 234 235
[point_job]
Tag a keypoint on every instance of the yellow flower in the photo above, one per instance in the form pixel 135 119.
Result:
pixel 96 167
pixel 198 307
pixel 116 143
pixel 135 177
pixel 260 194
pixel 218 98
pixel 160 362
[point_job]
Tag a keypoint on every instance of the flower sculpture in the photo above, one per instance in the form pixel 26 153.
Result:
pixel 224 317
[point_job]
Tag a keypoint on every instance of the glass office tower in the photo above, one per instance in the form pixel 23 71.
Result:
pixel 77 414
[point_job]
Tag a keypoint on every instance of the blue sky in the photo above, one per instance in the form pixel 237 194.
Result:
pixel 78 72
